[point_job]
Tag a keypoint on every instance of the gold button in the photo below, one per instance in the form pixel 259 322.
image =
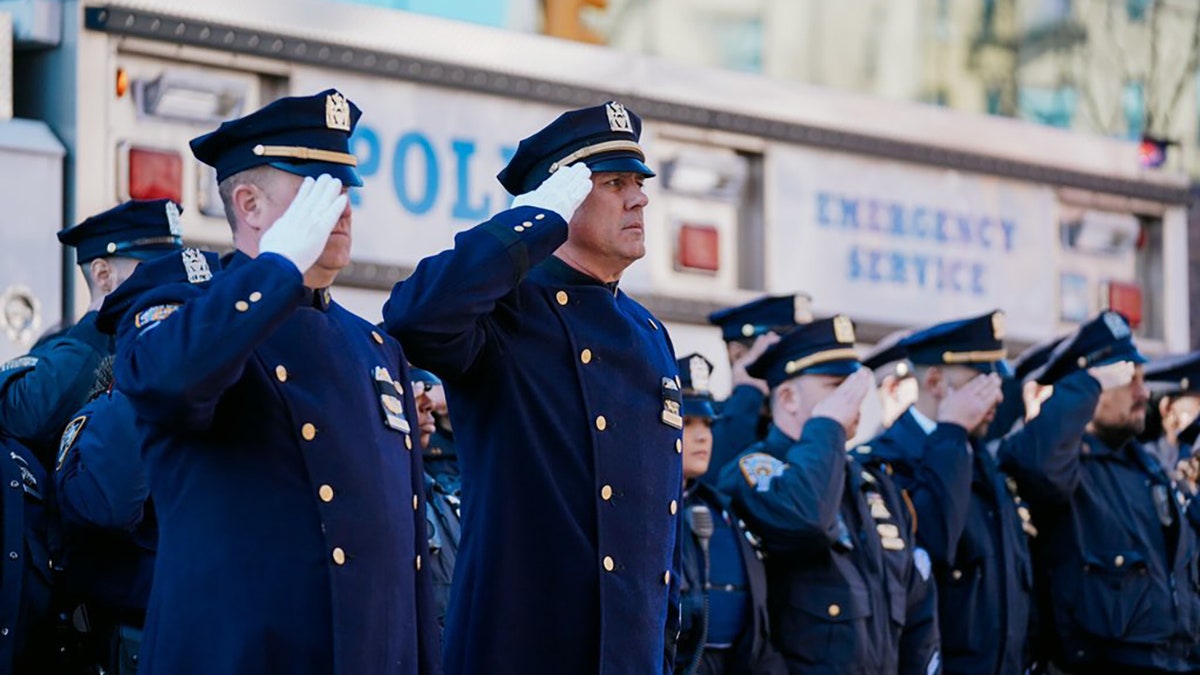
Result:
pixel 527 224
pixel 606 492
pixel 608 563
pixel 339 556
pixel 674 506
pixel 111 248
pixel 667 578
pixel 1119 560
pixel 519 228
pixel 326 493
pixel 585 356
pixel 601 423
pixel 561 297
pixel 834 610
pixel 415 502
pixel 540 216
pixel 408 442
pixel 241 305
pixel 956 574
pixel 255 296
pixel 308 431
pixel 679 445
pixel 376 337
pixel 418 563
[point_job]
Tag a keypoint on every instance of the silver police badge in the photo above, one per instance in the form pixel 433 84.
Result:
pixel 68 438
pixel 1116 325
pixel 173 219
pixel 618 117
pixel 195 264
pixel 337 112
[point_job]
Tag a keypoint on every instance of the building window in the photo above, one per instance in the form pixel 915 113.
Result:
pixel 1133 102
pixel 995 101
pixel 1052 107
pixel 1136 9
pixel 739 43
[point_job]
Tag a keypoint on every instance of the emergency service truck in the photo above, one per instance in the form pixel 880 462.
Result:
pixel 895 213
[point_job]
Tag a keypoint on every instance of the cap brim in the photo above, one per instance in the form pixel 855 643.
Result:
pixel 845 367
pixel 149 252
pixel 698 408
pixel 342 172
pixel 620 165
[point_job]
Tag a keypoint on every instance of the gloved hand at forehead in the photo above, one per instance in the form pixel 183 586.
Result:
pixel 301 232
pixel 561 193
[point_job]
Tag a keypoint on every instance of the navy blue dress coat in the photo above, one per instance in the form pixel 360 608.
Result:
pixel 561 390
pixel 288 493
pixel 848 586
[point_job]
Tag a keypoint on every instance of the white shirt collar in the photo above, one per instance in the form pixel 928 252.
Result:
pixel 927 425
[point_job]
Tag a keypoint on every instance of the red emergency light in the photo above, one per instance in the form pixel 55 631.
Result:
pixel 1125 298
pixel 698 248
pixel 1152 153
pixel 155 174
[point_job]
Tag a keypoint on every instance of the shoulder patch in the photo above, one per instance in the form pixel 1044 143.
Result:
pixel 759 468
pixel 69 436
pixel 19 363
pixel 152 315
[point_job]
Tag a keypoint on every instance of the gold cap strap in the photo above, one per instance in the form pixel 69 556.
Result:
pixel 598 148
pixel 306 154
pixel 843 354
pixel 975 357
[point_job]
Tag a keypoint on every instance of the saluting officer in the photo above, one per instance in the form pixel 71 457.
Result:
pixel 972 518
pixel 566 412
pixel 1177 380
pixel 109 528
pixel 726 629
pixel 39 391
pixel 1023 397
pixel 277 429
pixel 848 587
pixel 747 329
pixel 1116 551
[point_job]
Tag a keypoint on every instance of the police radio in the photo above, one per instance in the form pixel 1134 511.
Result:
pixel 702 527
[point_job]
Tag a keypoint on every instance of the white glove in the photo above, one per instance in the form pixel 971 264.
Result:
pixel 301 232
pixel 1113 375
pixel 561 193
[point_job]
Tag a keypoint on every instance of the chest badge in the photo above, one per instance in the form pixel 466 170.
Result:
pixel 672 400
pixel 391 400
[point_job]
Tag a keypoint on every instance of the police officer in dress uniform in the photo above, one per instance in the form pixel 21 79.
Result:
pixel 724 585
pixel 26 641
pixel 1117 550
pixel 1177 381
pixel 847 584
pixel 277 429
pixel 39 391
pixel 748 330
pixel 566 412
pixel 972 519
pixel 442 515
pixel 109 528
